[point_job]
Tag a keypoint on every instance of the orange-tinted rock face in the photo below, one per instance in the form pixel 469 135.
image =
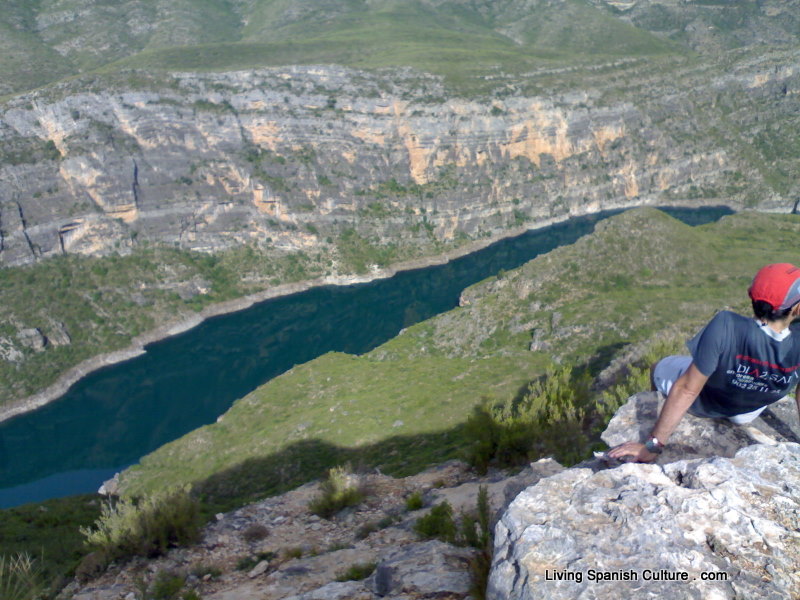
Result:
pixel 267 158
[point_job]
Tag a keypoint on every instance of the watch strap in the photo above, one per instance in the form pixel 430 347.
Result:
pixel 653 445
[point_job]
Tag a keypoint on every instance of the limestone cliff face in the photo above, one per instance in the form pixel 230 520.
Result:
pixel 290 158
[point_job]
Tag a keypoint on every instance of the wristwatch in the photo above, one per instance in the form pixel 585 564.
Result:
pixel 654 446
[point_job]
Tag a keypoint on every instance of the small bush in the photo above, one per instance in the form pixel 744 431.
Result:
pixel 366 529
pixel 167 585
pixel 248 562
pixel 549 417
pixel 357 572
pixel 255 533
pixel 388 521
pixel 147 527
pixel 19 578
pixel 295 552
pixel 372 526
pixel 339 490
pixel 474 531
pixel 438 524
pixel 479 536
pixel 202 570
pixel 337 546
pixel 414 501
pixel 91 565
pixel 635 377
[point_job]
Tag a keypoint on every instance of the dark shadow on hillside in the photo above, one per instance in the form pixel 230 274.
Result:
pixel 307 460
pixel 603 356
pixel 481 439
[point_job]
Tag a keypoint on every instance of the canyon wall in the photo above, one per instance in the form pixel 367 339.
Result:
pixel 291 158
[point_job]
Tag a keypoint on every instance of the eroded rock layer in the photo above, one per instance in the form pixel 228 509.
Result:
pixel 291 158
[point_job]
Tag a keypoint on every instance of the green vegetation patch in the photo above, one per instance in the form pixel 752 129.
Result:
pixel 462 44
pixel 48 533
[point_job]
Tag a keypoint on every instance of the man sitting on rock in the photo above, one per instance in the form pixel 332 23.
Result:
pixel 737 366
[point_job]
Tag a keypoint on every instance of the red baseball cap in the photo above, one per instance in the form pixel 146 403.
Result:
pixel 778 285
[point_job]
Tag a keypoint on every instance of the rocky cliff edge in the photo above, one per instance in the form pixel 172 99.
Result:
pixel 718 517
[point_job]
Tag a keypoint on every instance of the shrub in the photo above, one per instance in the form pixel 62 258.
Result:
pixel 548 417
pixel 366 529
pixel 339 490
pixel 438 524
pixel 19 578
pixel 356 572
pixel 414 501
pixel 481 538
pixel 202 570
pixel 372 526
pixel 146 527
pixel 635 377
pixel 296 552
pixel 167 585
pixel 255 533
pixel 248 562
pixel 474 531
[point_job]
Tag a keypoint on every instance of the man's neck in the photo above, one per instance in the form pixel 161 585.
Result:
pixel 778 326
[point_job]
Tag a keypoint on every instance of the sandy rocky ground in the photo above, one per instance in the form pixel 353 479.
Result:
pixel 408 568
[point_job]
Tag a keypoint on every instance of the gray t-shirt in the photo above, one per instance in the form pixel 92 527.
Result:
pixel 746 367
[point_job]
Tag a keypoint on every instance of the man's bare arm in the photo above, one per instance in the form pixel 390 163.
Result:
pixel 797 399
pixel 683 393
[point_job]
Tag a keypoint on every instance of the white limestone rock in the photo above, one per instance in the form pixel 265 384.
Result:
pixel 426 569
pixel 709 528
pixel 33 338
pixel 337 590
pixel 700 438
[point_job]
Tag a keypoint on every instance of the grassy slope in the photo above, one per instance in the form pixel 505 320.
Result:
pixel 450 39
pixel 637 275
pixel 48 532
pixel 457 44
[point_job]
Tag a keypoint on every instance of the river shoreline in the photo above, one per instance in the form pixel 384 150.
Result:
pixel 137 346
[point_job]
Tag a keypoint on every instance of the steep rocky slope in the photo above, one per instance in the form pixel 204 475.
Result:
pixel 728 511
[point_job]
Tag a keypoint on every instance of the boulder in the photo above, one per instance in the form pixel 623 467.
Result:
pixel 716 517
pixel 464 497
pixel 58 335
pixel 32 338
pixel 427 569
pixel 704 528
pixel 337 590
pixel 699 438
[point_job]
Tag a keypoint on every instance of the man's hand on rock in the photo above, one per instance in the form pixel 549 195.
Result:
pixel 632 452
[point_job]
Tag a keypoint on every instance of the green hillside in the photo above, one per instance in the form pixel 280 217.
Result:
pixel 46 41
pixel 640 277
